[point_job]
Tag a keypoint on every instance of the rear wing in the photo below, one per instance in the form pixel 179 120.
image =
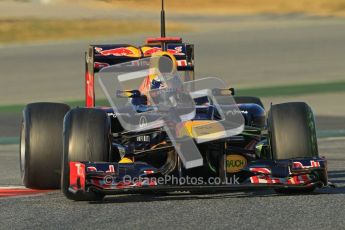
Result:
pixel 101 56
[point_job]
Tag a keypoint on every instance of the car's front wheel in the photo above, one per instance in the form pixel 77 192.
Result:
pixel 85 138
pixel 292 134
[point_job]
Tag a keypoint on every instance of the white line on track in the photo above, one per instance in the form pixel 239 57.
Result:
pixel 12 187
pixel 331 138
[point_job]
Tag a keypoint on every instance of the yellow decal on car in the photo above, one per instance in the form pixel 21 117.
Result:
pixel 234 163
pixel 201 129
pixel 125 160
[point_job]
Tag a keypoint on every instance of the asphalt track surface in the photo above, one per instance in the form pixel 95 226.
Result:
pixel 324 209
pixel 260 50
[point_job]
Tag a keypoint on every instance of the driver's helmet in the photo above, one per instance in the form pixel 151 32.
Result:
pixel 158 65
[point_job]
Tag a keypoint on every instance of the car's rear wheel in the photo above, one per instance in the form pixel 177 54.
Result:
pixel 86 138
pixel 41 145
pixel 292 133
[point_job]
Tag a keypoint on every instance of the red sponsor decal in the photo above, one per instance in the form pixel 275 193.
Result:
pixel 299 165
pixel 111 169
pixel 100 65
pixel 263 179
pixel 152 50
pixel 182 63
pixel 261 170
pixel 98 49
pixel 254 180
pixel 315 164
pixel 147 172
pixel 91 169
pixel 122 51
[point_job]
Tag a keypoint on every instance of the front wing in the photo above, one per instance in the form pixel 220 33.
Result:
pixel 113 178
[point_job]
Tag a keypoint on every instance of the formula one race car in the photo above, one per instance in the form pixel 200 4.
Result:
pixel 168 133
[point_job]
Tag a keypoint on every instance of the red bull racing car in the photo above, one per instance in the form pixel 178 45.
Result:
pixel 97 150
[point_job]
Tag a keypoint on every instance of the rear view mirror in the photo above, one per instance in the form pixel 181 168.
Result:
pixel 223 92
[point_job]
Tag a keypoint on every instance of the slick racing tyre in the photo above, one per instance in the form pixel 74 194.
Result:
pixel 246 99
pixel 86 138
pixel 292 133
pixel 41 145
